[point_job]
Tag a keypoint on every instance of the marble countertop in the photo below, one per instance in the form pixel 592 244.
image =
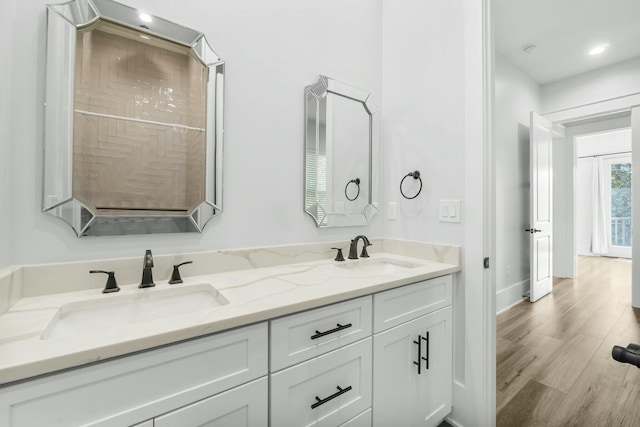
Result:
pixel 250 296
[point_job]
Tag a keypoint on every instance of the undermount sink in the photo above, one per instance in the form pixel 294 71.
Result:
pixel 378 266
pixel 121 311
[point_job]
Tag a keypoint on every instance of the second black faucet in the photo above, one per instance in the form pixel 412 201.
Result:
pixel 353 249
pixel 147 274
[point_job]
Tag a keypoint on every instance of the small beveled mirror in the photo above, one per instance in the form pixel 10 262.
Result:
pixel 341 154
pixel 133 122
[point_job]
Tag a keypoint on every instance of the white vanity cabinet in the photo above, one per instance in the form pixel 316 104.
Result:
pixel 349 364
pixel 301 336
pixel 243 406
pixel 326 391
pixel 139 387
pixel 332 384
pixel 412 369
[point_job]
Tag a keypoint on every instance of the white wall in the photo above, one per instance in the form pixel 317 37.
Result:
pixel 433 122
pixel 516 95
pixel 6 140
pixel 432 58
pixel 423 122
pixel 605 83
pixel 272 50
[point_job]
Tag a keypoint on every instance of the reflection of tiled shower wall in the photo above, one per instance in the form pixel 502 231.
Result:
pixel 120 163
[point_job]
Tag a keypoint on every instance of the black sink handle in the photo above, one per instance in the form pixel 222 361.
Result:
pixel 175 276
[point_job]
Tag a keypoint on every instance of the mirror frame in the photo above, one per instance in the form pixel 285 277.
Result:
pixel 316 141
pixel 63 21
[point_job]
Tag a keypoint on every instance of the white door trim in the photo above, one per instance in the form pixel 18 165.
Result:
pixel 621 103
pixel 635 191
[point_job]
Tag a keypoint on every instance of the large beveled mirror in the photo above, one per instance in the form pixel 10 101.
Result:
pixel 341 154
pixel 133 122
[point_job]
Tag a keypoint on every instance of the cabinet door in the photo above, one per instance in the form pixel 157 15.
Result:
pixel 244 406
pixel 402 394
pixel 395 376
pixel 434 382
pixel 127 390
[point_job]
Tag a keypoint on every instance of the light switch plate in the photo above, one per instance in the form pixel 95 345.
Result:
pixel 450 211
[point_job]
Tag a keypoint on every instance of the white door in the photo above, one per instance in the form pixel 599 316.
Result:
pixel 617 190
pixel 540 223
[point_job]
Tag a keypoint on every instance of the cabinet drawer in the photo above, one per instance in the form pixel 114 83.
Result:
pixel 300 336
pixel 316 382
pixel 400 305
pixel 362 420
pixel 244 406
pixel 131 389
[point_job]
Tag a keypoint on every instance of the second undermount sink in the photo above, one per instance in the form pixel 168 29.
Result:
pixel 378 266
pixel 113 311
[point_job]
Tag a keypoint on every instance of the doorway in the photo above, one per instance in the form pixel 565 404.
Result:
pixel 603 194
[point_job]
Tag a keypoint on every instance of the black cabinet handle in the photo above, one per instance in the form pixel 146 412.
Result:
pixel 338 327
pixel 533 230
pixel 426 359
pixel 333 396
pixel 419 362
pixel 420 356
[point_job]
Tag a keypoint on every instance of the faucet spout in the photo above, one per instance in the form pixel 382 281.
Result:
pixel 147 274
pixel 353 249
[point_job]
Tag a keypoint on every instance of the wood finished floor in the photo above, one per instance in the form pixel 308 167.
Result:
pixel 554 365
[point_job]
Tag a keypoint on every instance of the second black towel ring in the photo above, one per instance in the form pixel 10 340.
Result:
pixel 414 175
pixel 357 183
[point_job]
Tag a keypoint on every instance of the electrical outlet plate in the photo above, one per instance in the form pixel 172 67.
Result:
pixel 392 211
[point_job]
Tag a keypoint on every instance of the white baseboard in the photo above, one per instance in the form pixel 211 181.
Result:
pixel 511 296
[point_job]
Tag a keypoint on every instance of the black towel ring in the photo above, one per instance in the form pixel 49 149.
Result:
pixel 357 183
pixel 414 175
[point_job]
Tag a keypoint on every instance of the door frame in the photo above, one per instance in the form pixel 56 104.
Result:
pixel 488 317
pixel 567 253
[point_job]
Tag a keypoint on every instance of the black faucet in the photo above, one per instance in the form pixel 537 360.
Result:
pixel 353 249
pixel 147 275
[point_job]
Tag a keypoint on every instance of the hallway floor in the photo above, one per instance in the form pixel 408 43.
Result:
pixel 554 365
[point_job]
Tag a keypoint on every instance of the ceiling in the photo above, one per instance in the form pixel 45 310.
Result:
pixel 564 31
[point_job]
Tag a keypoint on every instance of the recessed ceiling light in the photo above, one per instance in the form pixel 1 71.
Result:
pixel 529 48
pixel 597 50
pixel 145 17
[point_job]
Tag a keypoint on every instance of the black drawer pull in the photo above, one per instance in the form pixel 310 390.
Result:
pixel 338 327
pixel 333 396
pixel 420 358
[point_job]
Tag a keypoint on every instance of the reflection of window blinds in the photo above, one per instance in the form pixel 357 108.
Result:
pixel 322 181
